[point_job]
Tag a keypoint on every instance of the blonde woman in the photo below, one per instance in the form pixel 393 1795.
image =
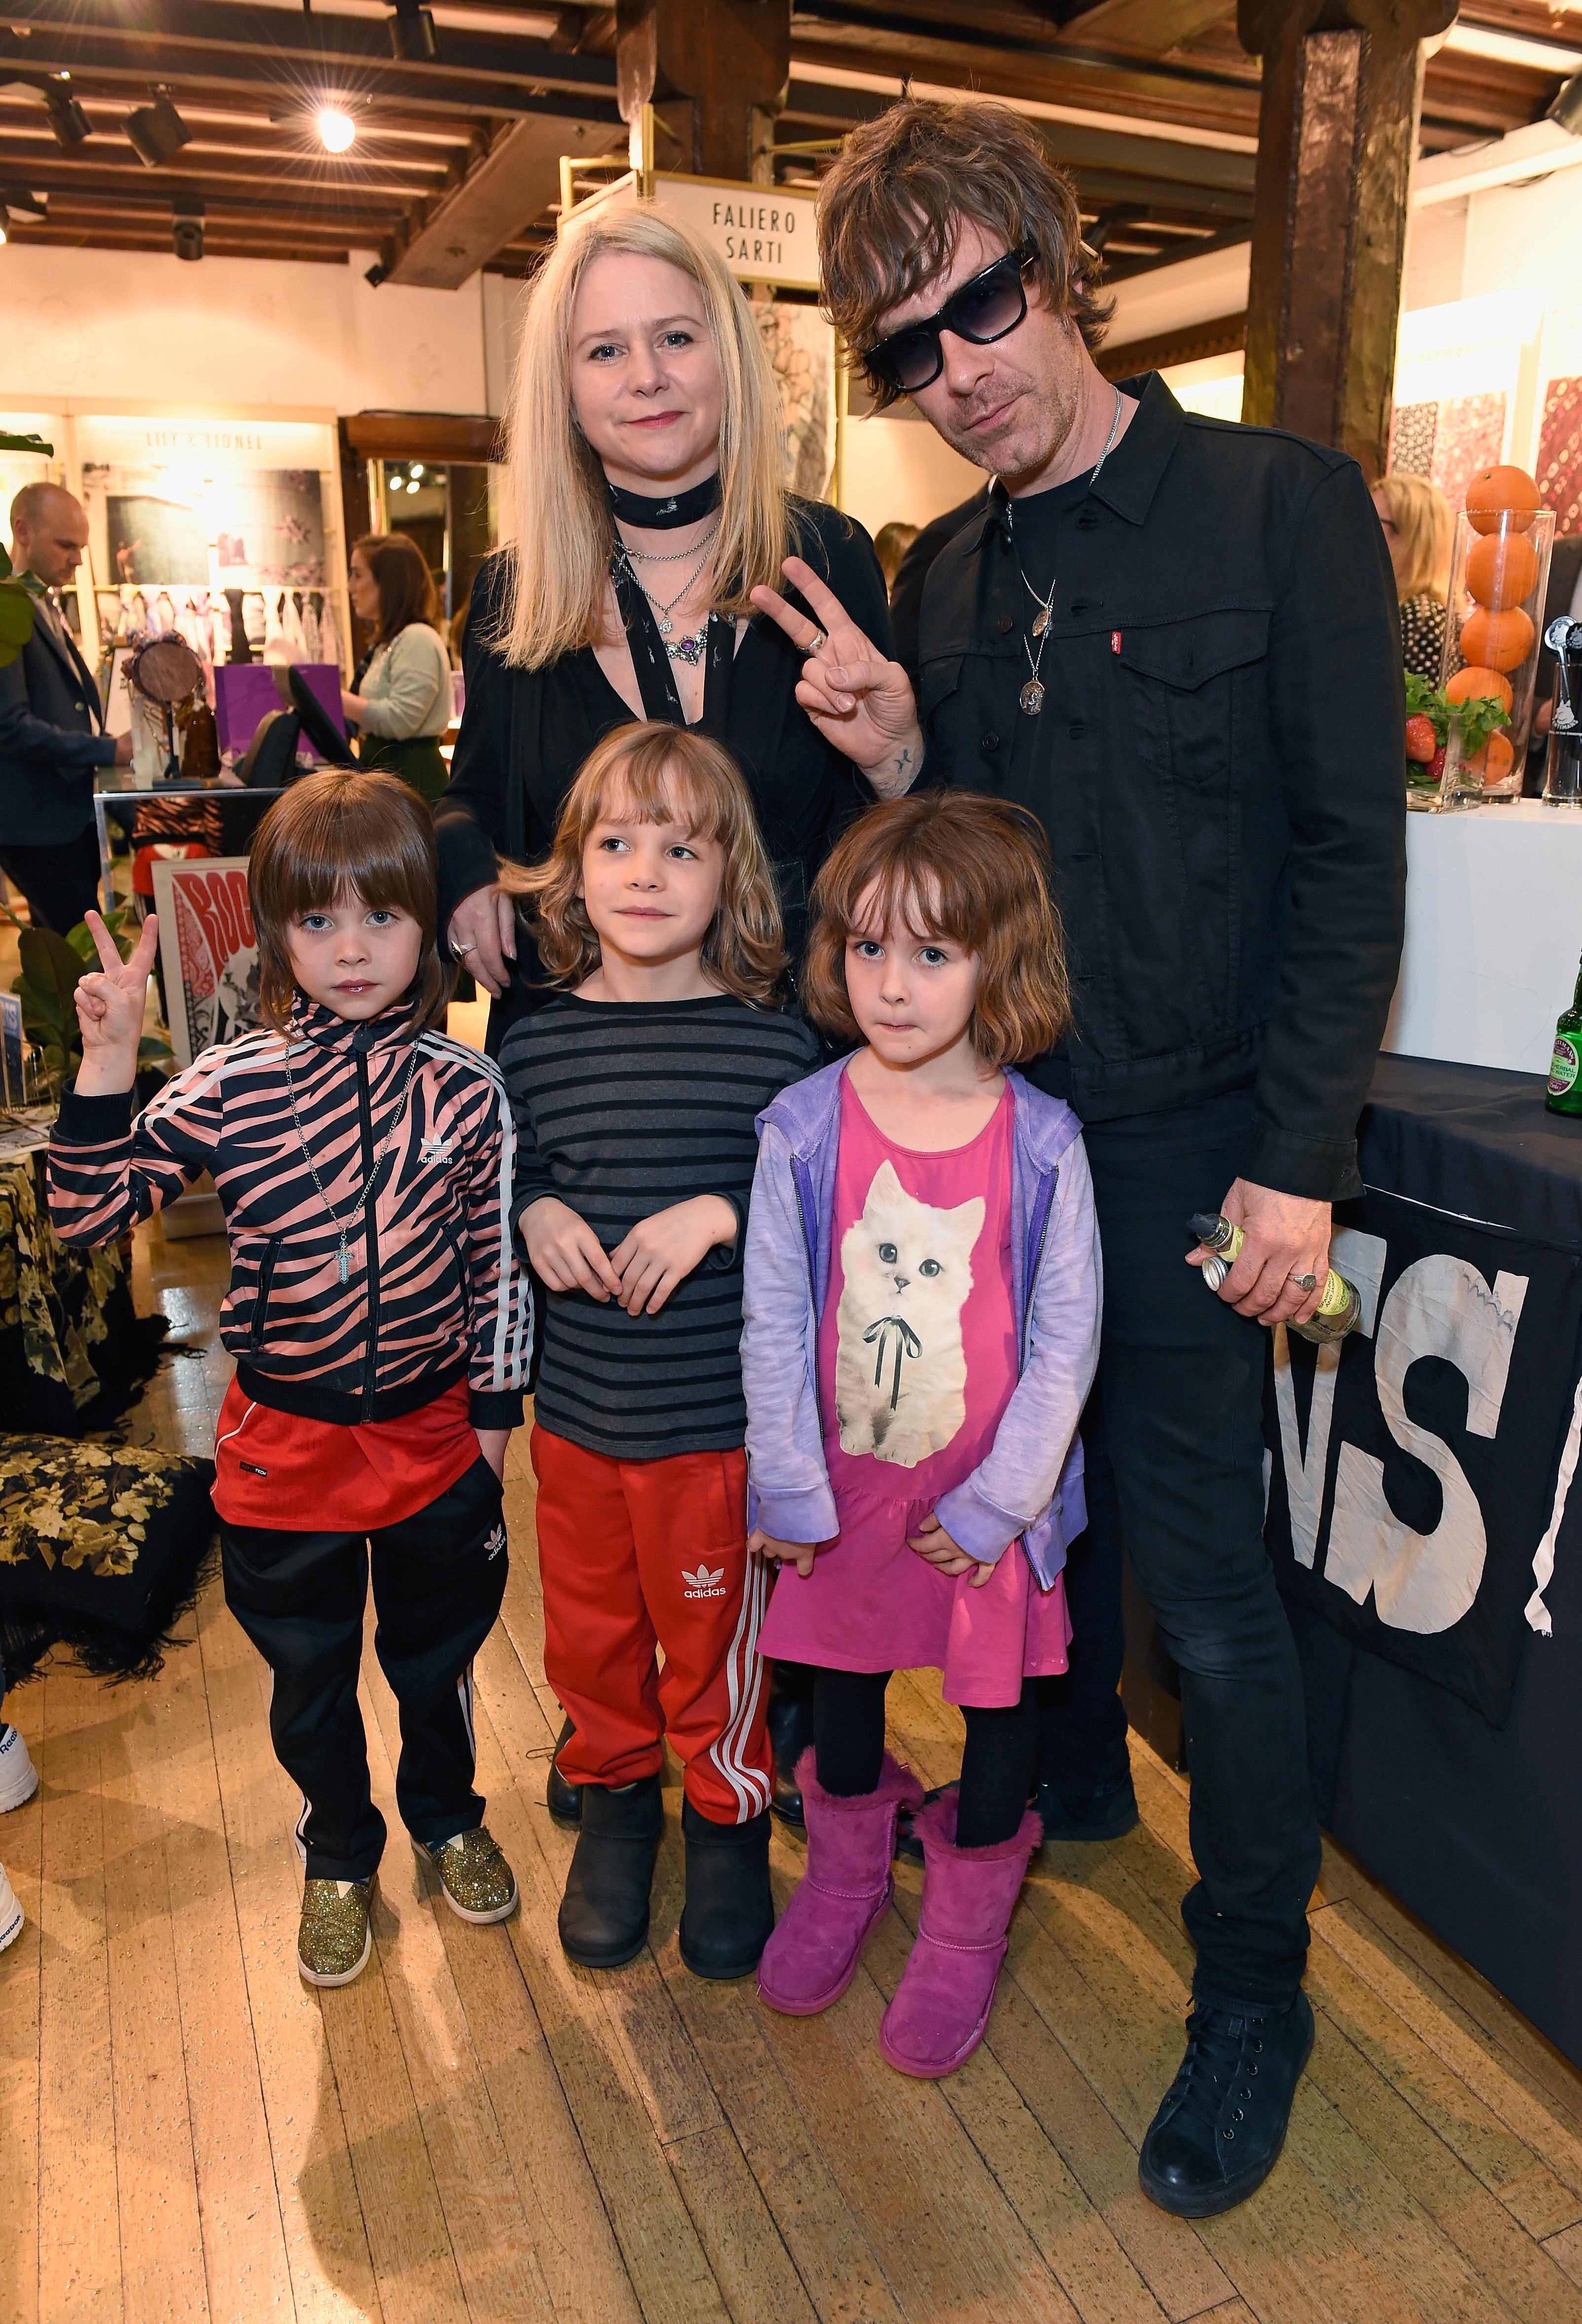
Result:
pixel 1418 530
pixel 647 505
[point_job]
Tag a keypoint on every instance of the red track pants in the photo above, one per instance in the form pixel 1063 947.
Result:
pixel 638 1556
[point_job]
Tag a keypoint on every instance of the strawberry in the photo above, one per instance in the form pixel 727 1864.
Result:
pixel 1421 742
pixel 1436 765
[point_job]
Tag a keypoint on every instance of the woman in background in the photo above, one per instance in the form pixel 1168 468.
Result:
pixel 1416 518
pixel 890 544
pixel 401 702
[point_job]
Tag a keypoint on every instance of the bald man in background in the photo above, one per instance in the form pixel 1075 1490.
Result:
pixel 53 734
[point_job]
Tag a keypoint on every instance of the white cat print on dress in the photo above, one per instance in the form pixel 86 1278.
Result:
pixel 900 1368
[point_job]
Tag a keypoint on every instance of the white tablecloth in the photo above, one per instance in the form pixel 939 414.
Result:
pixel 1493 928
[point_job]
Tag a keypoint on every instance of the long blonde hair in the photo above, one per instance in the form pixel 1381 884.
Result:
pixel 559 571
pixel 1421 515
pixel 661 774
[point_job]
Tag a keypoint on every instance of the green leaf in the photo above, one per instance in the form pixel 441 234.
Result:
pixel 17 614
pixel 33 443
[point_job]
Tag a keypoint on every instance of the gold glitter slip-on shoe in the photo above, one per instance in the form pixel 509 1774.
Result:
pixel 334 1938
pixel 478 1885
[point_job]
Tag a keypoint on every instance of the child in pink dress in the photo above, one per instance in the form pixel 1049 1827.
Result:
pixel 921 1331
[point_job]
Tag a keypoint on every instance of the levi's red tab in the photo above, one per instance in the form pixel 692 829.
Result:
pixel 1115 642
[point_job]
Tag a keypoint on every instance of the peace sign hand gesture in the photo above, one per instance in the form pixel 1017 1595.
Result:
pixel 109 1009
pixel 861 703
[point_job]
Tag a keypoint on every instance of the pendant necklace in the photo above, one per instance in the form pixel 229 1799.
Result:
pixel 1031 698
pixel 344 1228
pixel 689 650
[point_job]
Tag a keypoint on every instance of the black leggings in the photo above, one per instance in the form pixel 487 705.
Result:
pixel 996 1764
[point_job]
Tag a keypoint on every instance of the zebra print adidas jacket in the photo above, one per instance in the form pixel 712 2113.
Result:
pixel 428 1291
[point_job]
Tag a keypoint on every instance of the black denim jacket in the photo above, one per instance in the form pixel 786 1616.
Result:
pixel 1218 764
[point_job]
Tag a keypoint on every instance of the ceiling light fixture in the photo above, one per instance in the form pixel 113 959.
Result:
pixel 70 122
pixel 187 214
pixel 336 130
pixel 157 132
pixel 1566 110
pixel 411 33
pixel 416 468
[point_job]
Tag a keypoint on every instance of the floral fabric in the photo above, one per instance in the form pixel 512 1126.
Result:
pixel 80 1506
pixel 53 1294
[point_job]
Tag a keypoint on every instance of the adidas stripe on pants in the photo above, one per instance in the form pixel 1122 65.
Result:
pixel 645 1558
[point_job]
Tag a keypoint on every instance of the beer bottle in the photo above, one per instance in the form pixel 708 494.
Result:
pixel 1565 1072
pixel 1339 1308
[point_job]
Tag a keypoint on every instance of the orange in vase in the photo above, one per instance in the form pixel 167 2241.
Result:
pixel 1502 495
pixel 1502 570
pixel 1495 759
pixel 1476 683
pixel 1497 641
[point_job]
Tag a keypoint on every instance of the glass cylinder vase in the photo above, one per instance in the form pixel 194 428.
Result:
pixel 1498 575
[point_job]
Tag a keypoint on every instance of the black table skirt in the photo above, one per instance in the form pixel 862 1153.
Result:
pixel 1446 1758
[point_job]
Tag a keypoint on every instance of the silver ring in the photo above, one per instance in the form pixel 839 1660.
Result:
pixel 815 645
pixel 1305 1282
pixel 459 948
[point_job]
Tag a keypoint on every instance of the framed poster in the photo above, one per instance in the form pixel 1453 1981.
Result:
pixel 208 953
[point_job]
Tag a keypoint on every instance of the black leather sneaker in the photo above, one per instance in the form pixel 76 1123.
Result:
pixel 604 1912
pixel 1220 2128
pixel 564 1800
pixel 1097 1815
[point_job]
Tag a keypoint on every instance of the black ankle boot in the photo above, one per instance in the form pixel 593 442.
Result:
pixel 789 1719
pixel 604 1912
pixel 730 1912
pixel 1222 2124
pixel 562 1800
pixel 1086 1815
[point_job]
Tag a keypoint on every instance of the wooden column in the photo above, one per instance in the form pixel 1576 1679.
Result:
pixel 1337 136
pixel 707 67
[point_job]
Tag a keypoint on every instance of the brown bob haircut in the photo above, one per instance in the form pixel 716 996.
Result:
pixel 345 828
pixel 660 774
pixel 953 864
pixel 406 586
pixel 902 188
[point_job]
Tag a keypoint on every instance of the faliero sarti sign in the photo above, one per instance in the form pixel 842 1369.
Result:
pixel 763 234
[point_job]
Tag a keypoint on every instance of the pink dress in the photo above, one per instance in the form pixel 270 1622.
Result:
pixel 916 1363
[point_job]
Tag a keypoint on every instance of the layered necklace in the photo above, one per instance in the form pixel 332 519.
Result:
pixel 345 1227
pixel 667 515
pixel 1032 695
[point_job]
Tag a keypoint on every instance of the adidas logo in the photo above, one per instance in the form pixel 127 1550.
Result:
pixel 435 1148
pixel 494 1545
pixel 703 1584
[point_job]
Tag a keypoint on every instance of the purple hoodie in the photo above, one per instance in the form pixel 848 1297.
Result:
pixel 1030 1483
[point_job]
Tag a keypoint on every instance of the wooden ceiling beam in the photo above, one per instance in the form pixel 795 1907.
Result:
pixel 1192 343
pixel 517 179
pixel 979 72
pixel 53 168
pixel 1155 26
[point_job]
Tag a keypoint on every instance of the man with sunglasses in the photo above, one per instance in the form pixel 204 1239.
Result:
pixel 1175 641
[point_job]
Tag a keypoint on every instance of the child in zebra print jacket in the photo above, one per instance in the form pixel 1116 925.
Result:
pixel 377 1318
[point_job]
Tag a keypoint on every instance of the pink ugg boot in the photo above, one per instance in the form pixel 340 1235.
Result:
pixel 943 2001
pixel 812 1957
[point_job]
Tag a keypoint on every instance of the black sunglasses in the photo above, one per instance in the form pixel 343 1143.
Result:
pixel 982 310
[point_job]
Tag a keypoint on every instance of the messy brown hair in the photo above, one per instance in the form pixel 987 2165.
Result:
pixel 664 774
pixel 903 185
pixel 346 828
pixel 953 864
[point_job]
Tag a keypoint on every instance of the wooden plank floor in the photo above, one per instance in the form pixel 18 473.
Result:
pixel 475 2129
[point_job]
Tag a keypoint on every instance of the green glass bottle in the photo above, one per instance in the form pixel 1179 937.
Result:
pixel 1565 1072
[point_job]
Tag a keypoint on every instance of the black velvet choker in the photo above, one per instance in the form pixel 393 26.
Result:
pixel 669 513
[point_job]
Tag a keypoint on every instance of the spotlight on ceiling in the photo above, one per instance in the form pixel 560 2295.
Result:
pixel 336 130
pixel 411 33
pixel 23 209
pixel 416 468
pixel 1566 108
pixel 375 275
pixel 186 227
pixel 413 486
pixel 157 132
pixel 67 118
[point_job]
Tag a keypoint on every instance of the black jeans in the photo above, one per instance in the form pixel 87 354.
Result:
pixel 997 1764
pixel 61 881
pixel 1181 1376
pixel 438 1579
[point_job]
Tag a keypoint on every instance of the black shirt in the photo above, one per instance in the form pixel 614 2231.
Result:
pixel 1216 764
pixel 622 1110
pixel 525 734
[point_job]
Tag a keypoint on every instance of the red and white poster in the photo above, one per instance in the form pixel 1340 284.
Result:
pixel 207 952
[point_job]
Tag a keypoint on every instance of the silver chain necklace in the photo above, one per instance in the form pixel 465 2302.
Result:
pixel 343 1230
pixel 671 556
pixel 689 649
pixel 1031 697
